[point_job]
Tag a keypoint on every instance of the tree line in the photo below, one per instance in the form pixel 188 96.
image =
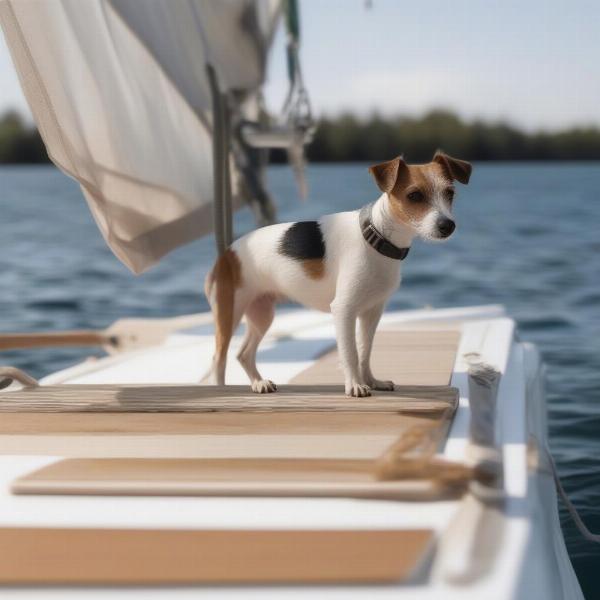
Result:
pixel 348 138
pixel 20 143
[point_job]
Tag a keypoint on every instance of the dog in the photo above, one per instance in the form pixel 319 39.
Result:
pixel 345 263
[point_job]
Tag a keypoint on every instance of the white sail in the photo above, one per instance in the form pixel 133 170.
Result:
pixel 118 89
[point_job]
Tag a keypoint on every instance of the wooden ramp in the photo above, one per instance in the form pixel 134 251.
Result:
pixel 200 399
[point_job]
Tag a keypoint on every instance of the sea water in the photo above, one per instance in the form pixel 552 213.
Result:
pixel 528 237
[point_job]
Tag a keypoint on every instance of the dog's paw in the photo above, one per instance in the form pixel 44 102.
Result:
pixel 358 390
pixel 263 386
pixel 382 386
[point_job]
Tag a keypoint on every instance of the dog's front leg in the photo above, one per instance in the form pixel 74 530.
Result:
pixel 344 317
pixel 367 325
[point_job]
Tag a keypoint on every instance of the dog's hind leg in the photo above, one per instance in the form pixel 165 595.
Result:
pixel 259 316
pixel 225 295
pixel 223 334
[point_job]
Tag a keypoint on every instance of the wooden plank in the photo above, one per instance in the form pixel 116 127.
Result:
pixel 209 399
pixel 132 556
pixel 229 477
pixel 353 446
pixel 211 424
pixel 424 357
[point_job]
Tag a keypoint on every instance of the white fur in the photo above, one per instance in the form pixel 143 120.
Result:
pixel 356 285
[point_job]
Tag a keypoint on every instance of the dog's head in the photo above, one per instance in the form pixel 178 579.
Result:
pixel 421 196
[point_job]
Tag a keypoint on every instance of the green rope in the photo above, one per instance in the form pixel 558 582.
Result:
pixel 292 23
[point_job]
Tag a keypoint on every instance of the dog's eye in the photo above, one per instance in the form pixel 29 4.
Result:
pixel 449 194
pixel 416 196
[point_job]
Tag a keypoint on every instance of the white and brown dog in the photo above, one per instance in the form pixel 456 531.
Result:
pixel 346 263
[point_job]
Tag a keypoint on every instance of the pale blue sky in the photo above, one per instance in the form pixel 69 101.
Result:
pixel 534 62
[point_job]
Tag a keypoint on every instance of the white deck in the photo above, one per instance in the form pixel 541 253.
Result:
pixel 528 555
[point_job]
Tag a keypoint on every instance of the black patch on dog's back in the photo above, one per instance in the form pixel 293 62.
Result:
pixel 303 241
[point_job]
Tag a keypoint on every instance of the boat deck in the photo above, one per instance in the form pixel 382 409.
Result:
pixel 452 570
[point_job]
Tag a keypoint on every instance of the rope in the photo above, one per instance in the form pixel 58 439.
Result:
pixel 296 107
pixel 10 374
pixel 292 23
pixel 483 387
pixel 585 532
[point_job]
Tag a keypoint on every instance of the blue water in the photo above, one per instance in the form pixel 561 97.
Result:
pixel 528 237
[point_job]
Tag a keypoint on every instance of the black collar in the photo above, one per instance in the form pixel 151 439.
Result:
pixel 375 239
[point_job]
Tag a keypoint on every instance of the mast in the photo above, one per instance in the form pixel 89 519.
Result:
pixel 222 209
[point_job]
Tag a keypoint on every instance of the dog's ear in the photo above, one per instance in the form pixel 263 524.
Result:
pixel 386 174
pixel 460 170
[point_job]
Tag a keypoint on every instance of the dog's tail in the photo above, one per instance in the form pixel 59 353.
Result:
pixel 220 287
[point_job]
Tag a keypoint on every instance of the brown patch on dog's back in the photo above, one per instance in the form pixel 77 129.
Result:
pixel 314 267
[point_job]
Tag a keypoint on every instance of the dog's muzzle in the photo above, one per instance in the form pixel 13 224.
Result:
pixel 445 227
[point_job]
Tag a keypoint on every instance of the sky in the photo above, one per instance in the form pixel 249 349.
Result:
pixel 534 63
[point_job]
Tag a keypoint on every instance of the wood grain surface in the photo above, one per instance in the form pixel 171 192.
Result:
pixel 130 556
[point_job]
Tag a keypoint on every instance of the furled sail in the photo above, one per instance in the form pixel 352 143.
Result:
pixel 119 91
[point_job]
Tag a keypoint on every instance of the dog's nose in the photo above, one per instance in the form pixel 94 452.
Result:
pixel 445 226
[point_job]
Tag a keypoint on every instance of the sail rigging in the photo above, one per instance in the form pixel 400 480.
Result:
pixel 121 96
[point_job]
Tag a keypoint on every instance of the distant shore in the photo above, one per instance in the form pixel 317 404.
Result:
pixel 348 138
